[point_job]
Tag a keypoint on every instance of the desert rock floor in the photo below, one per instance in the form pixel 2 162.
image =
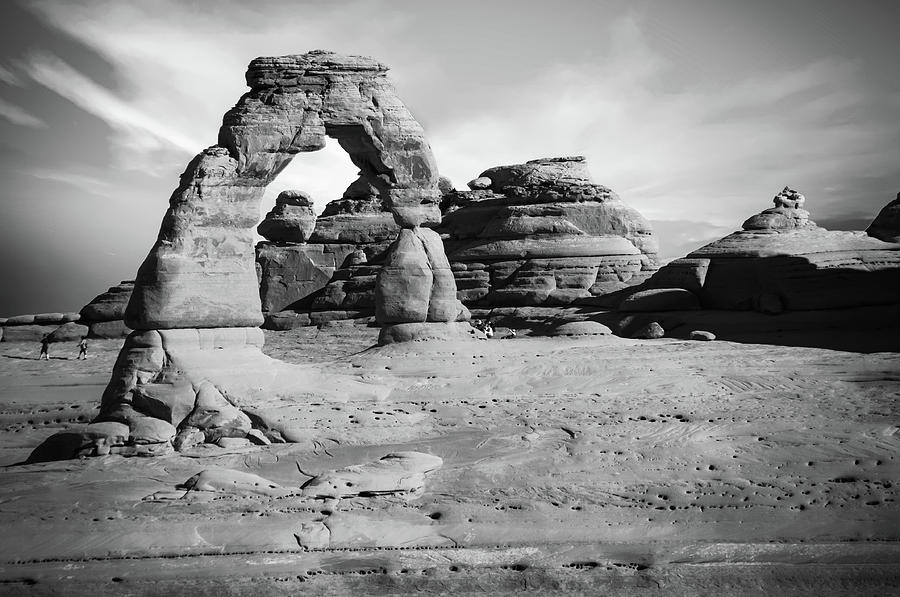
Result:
pixel 592 465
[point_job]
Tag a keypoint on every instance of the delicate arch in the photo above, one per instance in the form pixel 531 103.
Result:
pixel 201 270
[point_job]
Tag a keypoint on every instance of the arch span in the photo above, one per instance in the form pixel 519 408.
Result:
pixel 201 271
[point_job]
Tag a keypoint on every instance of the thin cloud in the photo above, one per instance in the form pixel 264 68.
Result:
pixel 86 182
pixel 9 77
pixel 19 116
pixel 138 131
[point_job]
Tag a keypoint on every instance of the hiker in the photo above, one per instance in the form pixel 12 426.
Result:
pixel 82 348
pixel 45 348
pixel 488 330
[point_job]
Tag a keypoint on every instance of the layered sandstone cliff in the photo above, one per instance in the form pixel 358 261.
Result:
pixel 543 233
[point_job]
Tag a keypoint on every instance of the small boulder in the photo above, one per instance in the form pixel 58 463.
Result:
pixel 291 220
pixel 98 438
pixel 147 430
pixel 651 331
pixel 187 438
pixel 216 416
pixel 479 184
pixel 702 336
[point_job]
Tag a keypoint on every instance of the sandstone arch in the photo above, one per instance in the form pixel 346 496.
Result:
pixel 192 370
pixel 201 271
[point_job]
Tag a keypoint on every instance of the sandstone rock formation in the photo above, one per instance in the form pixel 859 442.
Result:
pixel 33 327
pixel 787 214
pixel 202 272
pixel 105 314
pixel 395 473
pixel 781 261
pixel 331 276
pixel 194 359
pixel 886 225
pixel 542 233
pixel 292 219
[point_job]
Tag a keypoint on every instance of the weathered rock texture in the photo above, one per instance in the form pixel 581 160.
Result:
pixel 332 276
pixel 886 226
pixel 781 261
pixel 194 362
pixel 542 233
pixel 173 389
pixel 787 214
pixel 105 314
pixel 202 272
pixel 291 220
pixel 33 327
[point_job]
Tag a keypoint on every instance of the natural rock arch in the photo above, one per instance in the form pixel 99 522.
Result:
pixel 193 370
pixel 201 271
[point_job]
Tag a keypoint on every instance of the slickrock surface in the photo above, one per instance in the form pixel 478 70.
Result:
pixel 570 465
pixel 782 261
pixel 543 233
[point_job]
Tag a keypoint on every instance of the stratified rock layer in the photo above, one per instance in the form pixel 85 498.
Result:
pixel 105 314
pixel 788 264
pixel 201 272
pixel 333 275
pixel 788 213
pixel 542 233
pixel 291 220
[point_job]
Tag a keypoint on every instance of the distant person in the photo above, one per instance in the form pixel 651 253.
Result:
pixel 45 348
pixel 82 348
pixel 488 330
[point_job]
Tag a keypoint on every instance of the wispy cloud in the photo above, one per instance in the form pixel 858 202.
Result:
pixel 138 131
pixel 89 183
pixel 18 115
pixel 9 77
pixel 670 142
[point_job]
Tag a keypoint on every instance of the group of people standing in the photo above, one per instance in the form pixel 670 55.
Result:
pixel 488 329
pixel 45 348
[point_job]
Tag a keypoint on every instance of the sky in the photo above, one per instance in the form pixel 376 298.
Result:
pixel 696 112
